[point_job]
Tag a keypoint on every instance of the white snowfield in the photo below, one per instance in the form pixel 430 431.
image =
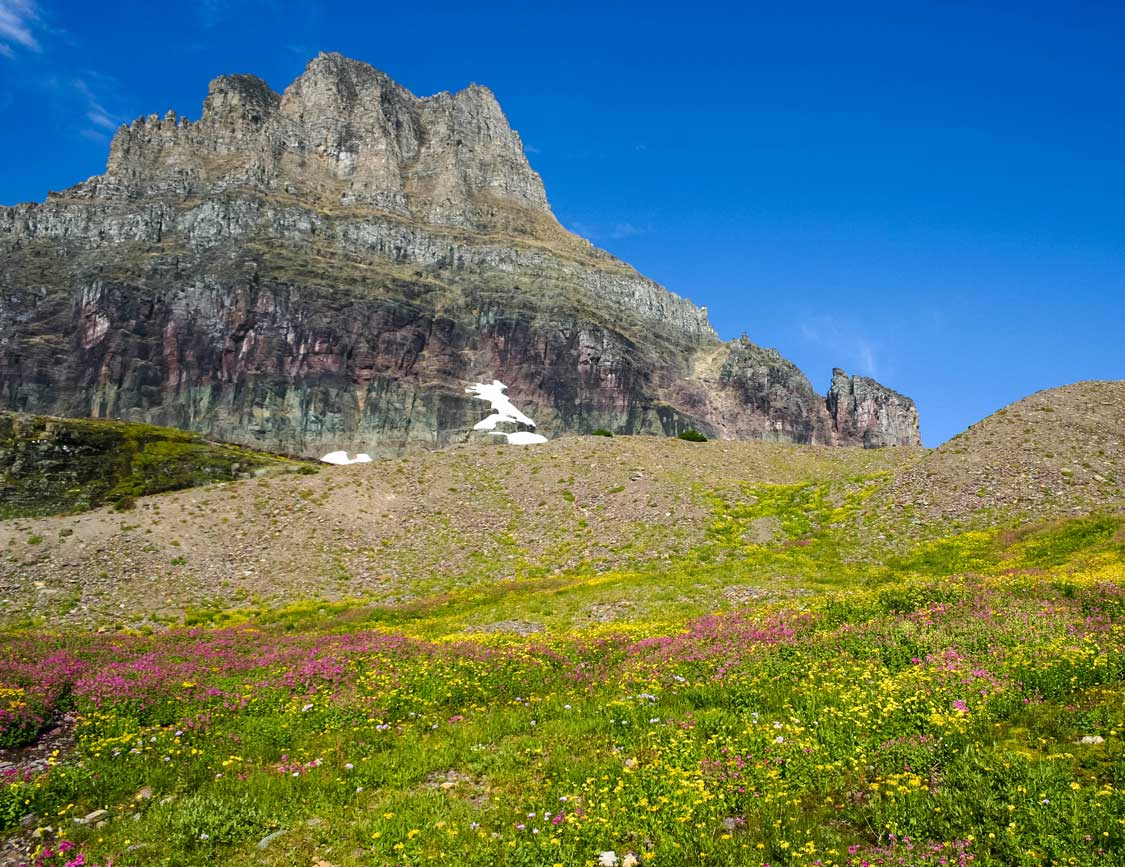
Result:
pixel 342 459
pixel 503 412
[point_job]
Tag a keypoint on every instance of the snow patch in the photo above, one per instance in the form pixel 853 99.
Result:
pixel 503 412
pixel 342 459
pixel 502 408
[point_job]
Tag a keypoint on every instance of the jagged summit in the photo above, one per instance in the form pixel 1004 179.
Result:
pixel 325 269
pixel 343 133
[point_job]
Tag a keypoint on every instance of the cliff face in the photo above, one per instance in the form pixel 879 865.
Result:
pixel 863 410
pixel 326 268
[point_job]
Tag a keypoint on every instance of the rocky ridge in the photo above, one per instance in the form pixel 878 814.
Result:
pixel 326 268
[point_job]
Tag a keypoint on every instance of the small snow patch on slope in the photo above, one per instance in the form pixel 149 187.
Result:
pixel 342 459
pixel 521 437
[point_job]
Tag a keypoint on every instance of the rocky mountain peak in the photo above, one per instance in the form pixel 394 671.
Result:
pixel 237 99
pixel 326 268
pixel 342 134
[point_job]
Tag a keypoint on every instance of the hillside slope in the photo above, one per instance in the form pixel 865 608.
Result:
pixel 400 530
pixel 636 522
pixel 1057 452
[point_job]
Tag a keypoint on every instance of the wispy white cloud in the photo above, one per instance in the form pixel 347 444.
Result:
pixel 18 19
pixel 100 119
pixel 855 349
pixel 625 230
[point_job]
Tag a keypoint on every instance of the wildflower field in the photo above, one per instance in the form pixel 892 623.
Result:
pixel 964 705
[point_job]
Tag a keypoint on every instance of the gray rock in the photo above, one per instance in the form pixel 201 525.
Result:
pixel 863 410
pixel 269 838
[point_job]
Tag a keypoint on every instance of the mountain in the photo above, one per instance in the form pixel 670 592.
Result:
pixel 327 268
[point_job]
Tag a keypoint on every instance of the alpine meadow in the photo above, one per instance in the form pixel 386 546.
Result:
pixel 355 512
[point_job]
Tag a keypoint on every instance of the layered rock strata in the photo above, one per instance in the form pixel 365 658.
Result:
pixel 326 268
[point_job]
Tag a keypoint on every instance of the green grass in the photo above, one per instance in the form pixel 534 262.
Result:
pixel 947 711
pixel 797 686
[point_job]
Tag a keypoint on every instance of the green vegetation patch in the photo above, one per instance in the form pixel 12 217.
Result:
pixel 974 720
pixel 53 466
pixel 691 435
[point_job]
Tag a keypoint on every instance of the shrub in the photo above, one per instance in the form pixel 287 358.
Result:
pixel 601 432
pixel 691 435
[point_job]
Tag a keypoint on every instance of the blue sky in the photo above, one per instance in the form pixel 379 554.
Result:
pixel 929 193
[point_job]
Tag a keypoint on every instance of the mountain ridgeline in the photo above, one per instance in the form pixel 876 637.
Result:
pixel 327 268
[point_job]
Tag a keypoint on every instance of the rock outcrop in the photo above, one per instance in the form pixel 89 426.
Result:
pixel 864 411
pixel 326 268
pixel 53 465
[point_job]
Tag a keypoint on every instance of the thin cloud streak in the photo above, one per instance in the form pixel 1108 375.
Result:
pixel 103 121
pixel 616 232
pixel 17 17
pixel 854 346
pixel 98 117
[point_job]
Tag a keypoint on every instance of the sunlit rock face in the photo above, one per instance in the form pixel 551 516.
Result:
pixel 324 269
pixel 862 409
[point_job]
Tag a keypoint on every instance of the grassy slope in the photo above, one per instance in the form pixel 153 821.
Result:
pixel 587 529
pixel 876 672
pixel 795 732
pixel 398 532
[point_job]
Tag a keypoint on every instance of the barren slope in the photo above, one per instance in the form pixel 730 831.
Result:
pixel 1057 452
pixel 680 524
pixel 397 529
